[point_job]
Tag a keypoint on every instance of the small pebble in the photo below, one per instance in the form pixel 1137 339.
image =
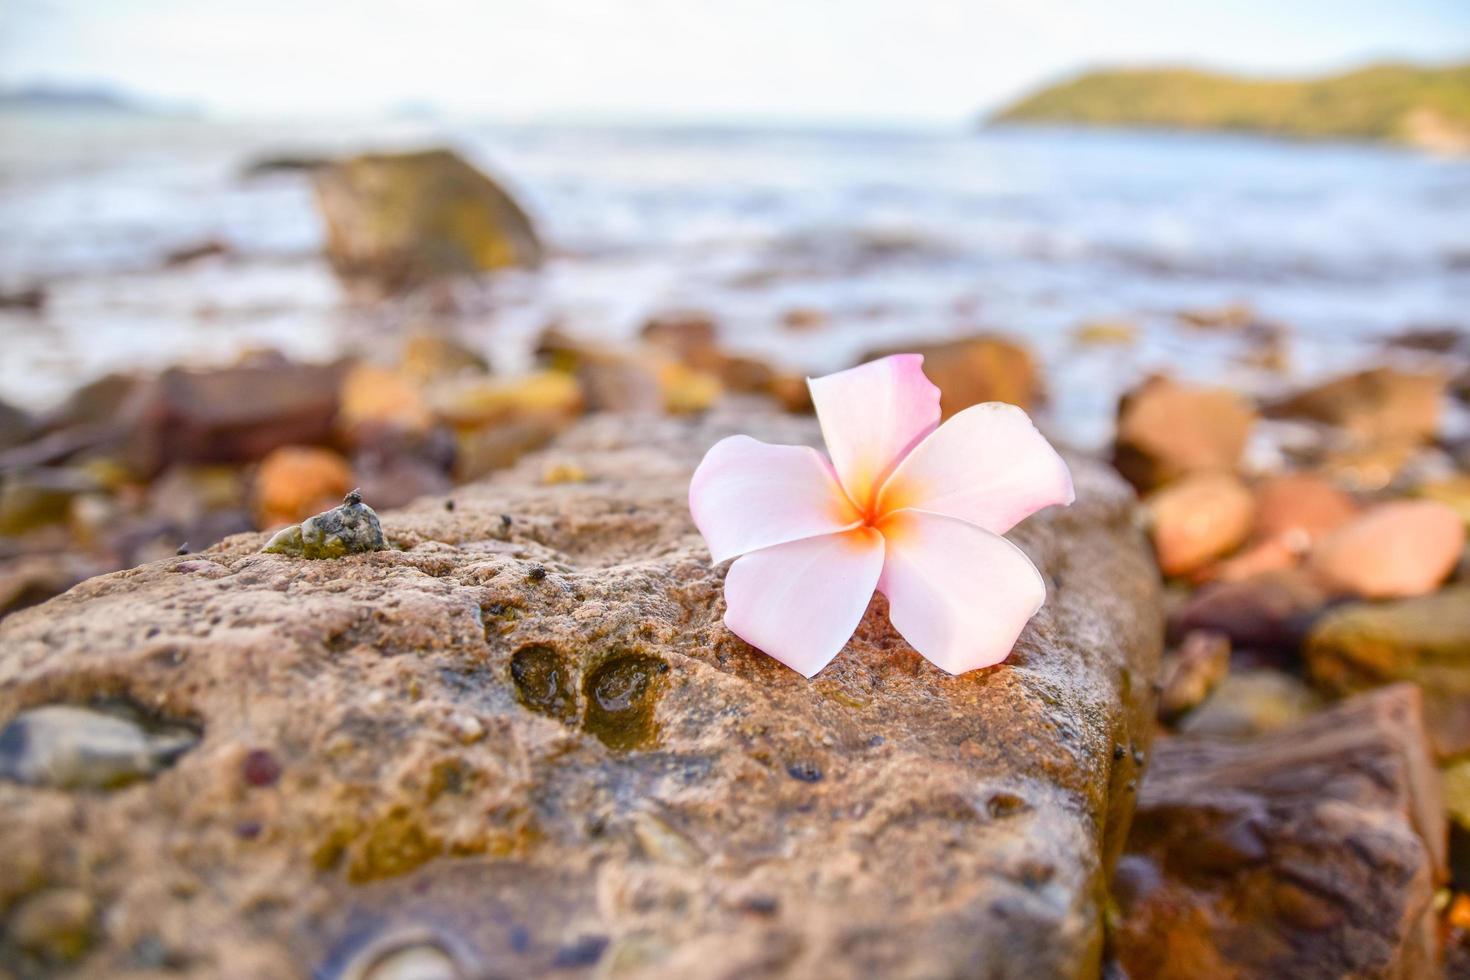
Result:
pixel 183 549
pixel 260 768
pixel 449 505
pixel 537 573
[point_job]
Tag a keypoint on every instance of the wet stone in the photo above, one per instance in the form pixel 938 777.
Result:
pixel 543 681
pixel 68 747
pixel 621 696
pixel 350 529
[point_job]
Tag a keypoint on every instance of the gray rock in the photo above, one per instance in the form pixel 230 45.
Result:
pixel 350 529
pixel 67 747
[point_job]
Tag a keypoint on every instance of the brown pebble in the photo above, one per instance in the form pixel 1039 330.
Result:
pixel 260 768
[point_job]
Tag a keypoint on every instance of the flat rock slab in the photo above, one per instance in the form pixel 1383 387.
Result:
pixel 1312 851
pixel 521 742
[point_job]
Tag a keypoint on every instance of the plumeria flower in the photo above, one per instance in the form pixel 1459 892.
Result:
pixel 904 505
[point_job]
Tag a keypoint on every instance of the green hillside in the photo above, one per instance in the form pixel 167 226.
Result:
pixel 1428 107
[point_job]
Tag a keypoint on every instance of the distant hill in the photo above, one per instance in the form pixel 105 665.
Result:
pixel 1423 107
pixel 90 100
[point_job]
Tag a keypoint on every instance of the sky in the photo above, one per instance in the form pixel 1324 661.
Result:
pixel 919 61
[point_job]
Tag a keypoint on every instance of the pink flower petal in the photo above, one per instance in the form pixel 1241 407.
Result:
pixel 987 465
pixel 800 602
pixel 959 594
pixel 872 415
pixel 748 495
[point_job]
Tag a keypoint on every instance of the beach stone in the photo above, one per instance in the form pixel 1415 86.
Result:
pixel 429 357
pixel 34 498
pixel 1253 702
pixel 691 335
pixel 1380 405
pixel 72 747
pixel 1425 640
pixel 972 370
pixel 294 482
pixel 1310 852
pixel 1394 550
pixel 1273 555
pixel 16 426
pixel 401 219
pixel 1271 611
pixel 525 732
pixel 377 400
pixel 229 415
pixel 1198 519
pixel 351 529
pixel 96 403
pixel 1300 508
pixel 474 402
pixel 1192 671
pixel 1167 429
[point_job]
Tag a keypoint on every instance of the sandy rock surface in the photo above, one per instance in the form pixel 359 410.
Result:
pixel 520 742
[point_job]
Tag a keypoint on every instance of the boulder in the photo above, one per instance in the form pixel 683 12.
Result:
pixel 402 219
pixel 1311 852
pixel 520 741
pixel 1380 405
pixel 971 370
pixel 1167 429
pixel 1425 640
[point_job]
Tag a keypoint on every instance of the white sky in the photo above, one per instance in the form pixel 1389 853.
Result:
pixel 920 61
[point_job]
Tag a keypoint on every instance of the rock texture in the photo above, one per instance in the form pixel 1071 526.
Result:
pixel 520 742
pixel 1312 852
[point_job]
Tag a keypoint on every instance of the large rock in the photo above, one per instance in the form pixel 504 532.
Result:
pixel 229 415
pixel 521 741
pixel 400 219
pixel 1424 640
pixel 1312 852
pixel 1378 405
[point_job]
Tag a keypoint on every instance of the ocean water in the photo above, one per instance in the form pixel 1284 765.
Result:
pixel 894 236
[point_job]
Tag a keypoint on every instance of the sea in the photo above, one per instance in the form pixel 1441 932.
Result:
pixel 879 237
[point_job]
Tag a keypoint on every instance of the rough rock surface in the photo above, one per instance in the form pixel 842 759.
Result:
pixel 521 742
pixel 1312 852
